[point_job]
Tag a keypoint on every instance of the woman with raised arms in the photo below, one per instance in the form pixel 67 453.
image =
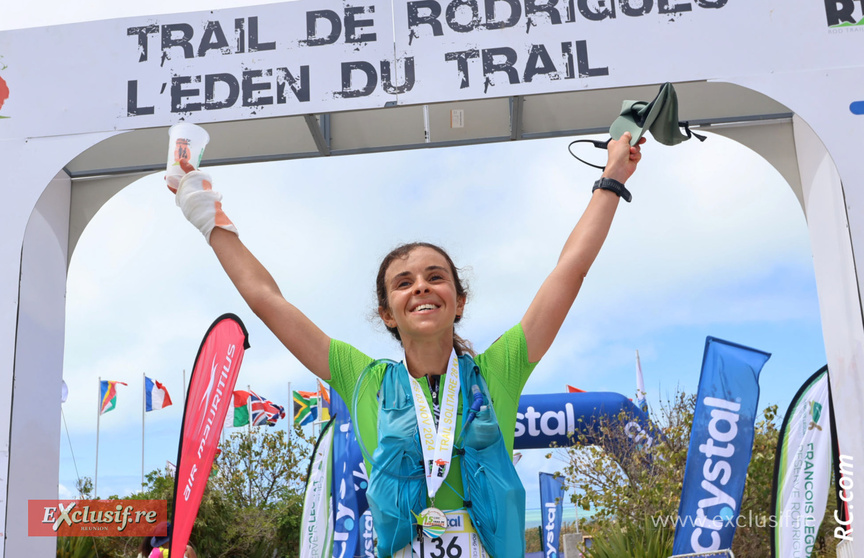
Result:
pixel 437 428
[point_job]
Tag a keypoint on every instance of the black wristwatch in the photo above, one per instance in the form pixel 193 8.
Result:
pixel 613 186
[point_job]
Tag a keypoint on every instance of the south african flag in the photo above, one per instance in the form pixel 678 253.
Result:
pixel 305 407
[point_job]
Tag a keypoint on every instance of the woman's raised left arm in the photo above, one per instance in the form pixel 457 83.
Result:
pixel 552 302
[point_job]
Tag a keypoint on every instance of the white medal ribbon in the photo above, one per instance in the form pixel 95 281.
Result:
pixel 437 446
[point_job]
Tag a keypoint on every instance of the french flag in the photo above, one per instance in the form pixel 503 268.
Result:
pixel 156 395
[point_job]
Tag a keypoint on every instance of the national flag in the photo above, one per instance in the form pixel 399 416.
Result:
pixel 108 395
pixel 262 411
pixel 241 408
pixel 156 395
pixel 305 407
pixel 323 402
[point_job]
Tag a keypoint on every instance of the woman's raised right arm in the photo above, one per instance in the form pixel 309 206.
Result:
pixel 297 332
pixel 202 207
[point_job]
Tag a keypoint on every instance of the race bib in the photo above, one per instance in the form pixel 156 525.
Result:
pixel 459 541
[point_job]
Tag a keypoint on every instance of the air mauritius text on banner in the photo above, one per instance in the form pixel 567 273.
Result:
pixel 721 443
pixel 97 518
pixel 213 377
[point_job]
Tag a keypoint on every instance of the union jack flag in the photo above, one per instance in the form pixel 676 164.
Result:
pixel 261 411
pixel 264 411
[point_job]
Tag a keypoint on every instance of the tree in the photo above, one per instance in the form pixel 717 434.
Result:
pixel 251 507
pixel 262 475
pixel 636 498
pixel 644 481
pixel 258 467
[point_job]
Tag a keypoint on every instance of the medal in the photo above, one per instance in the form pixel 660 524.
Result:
pixel 433 522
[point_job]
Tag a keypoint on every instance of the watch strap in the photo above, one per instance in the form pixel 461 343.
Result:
pixel 613 186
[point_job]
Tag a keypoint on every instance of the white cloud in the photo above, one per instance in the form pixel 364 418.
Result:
pixel 64 493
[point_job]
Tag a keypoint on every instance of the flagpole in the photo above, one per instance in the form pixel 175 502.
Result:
pixel 640 383
pixel 249 410
pixel 318 400
pixel 317 422
pixel 98 415
pixel 290 410
pixel 249 439
pixel 143 410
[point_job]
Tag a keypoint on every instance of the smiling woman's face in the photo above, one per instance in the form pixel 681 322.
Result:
pixel 421 294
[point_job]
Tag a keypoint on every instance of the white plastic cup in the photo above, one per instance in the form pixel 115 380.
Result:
pixel 187 141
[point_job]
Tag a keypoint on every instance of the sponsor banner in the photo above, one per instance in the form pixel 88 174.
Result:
pixel 556 419
pixel 349 482
pixel 322 56
pixel 721 442
pixel 96 518
pixel 366 538
pixel 316 532
pixel 802 471
pixel 207 401
pixel 552 511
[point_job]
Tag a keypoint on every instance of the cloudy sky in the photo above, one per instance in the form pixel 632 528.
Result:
pixel 714 243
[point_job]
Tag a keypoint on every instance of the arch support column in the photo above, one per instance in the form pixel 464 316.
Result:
pixel 34 436
pixel 832 221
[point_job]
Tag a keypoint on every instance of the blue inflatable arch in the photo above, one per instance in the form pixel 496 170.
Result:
pixel 566 419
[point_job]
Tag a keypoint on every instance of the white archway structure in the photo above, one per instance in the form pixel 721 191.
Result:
pixel 88 106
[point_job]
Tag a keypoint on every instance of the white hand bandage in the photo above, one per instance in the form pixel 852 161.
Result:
pixel 201 205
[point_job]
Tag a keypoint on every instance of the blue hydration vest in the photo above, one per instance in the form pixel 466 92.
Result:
pixel 494 496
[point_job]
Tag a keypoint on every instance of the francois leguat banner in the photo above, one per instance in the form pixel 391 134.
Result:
pixel 721 443
pixel 802 469
pixel 316 529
